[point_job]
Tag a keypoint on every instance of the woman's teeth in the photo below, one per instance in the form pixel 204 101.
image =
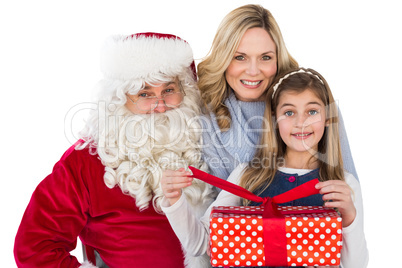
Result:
pixel 249 83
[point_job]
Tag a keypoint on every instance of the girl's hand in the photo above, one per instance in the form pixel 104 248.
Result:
pixel 173 181
pixel 338 195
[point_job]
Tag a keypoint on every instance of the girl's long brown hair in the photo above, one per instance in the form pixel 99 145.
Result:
pixel 260 172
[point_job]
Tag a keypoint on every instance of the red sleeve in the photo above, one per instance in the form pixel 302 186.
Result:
pixel 56 214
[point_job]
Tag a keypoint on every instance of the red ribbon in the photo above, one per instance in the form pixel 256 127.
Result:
pixel 273 220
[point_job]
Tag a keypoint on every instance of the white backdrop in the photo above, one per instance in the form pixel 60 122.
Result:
pixel 49 60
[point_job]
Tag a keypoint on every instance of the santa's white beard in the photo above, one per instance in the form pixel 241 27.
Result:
pixel 141 146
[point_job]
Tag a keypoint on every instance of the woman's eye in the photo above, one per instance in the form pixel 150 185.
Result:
pixel 239 57
pixel 289 113
pixel 266 57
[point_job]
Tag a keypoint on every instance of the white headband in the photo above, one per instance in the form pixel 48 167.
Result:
pixel 292 73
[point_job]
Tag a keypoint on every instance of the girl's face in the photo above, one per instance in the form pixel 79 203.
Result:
pixel 301 120
pixel 253 67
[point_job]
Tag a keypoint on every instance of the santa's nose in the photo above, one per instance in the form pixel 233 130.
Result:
pixel 160 106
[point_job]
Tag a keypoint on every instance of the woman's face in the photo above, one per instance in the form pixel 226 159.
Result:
pixel 253 66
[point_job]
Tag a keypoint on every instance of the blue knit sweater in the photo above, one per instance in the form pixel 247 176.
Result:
pixel 223 151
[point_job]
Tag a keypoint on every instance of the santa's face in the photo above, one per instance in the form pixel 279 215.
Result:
pixel 156 98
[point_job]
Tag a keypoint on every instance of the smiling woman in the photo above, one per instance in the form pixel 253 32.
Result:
pixel 253 66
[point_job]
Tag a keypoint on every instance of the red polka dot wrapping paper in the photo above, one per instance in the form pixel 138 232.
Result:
pixel 313 238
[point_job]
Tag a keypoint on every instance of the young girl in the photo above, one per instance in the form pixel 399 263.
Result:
pixel 300 143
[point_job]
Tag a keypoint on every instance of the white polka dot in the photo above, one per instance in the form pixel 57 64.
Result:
pixel 248 251
pixel 316 230
pixel 260 251
pixel 237 227
pixel 220 244
pixel 305 230
pixel 253 257
pixel 259 263
pixel 231 244
pixel 220 220
pixel 311 224
pixel 225 262
pixel 220 256
pixel 243 245
pixel 305 241
pixel 294 253
pixel 231 220
pixel 248 263
pixel 242 232
pixel 310 260
pixel 231 256
pixel 237 263
pixel 220 232
pixel 254 233
pixel 311 236
pixel 214 237
pixel 322 236
pixel 288 223
pixel 237 250
pixel 237 238
pixel 299 223
pixel 248 239
pixel 254 221
pixel 311 248
pixel 327 242
pixel 243 257
pixel 294 229
pixel 294 241
pixel 214 261
pixel 334 225
pixel 243 221
pixel 305 253
pixel 214 249
pixel 322 260
pixel 333 249
pixel 225 250
pixel 214 225
pixel 322 224
pixel 299 247
pixel 259 228
pixel 322 248
pixel 316 254
pixel 248 227
pixel 225 226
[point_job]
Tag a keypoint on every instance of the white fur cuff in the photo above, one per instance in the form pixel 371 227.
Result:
pixel 87 264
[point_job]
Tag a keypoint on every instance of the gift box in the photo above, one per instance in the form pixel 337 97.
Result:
pixel 273 235
pixel 312 236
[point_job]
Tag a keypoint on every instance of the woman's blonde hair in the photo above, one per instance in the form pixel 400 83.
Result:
pixel 211 71
pixel 260 172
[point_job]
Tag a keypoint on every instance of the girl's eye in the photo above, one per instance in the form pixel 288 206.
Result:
pixel 289 113
pixel 313 112
pixel 239 58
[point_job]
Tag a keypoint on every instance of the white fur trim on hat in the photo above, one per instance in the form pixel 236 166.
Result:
pixel 142 55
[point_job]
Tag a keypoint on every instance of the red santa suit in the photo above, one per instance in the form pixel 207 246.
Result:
pixel 74 201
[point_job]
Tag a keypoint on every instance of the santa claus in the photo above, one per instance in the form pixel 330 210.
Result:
pixel 106 188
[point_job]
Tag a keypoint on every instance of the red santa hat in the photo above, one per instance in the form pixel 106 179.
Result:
pixel 143 55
